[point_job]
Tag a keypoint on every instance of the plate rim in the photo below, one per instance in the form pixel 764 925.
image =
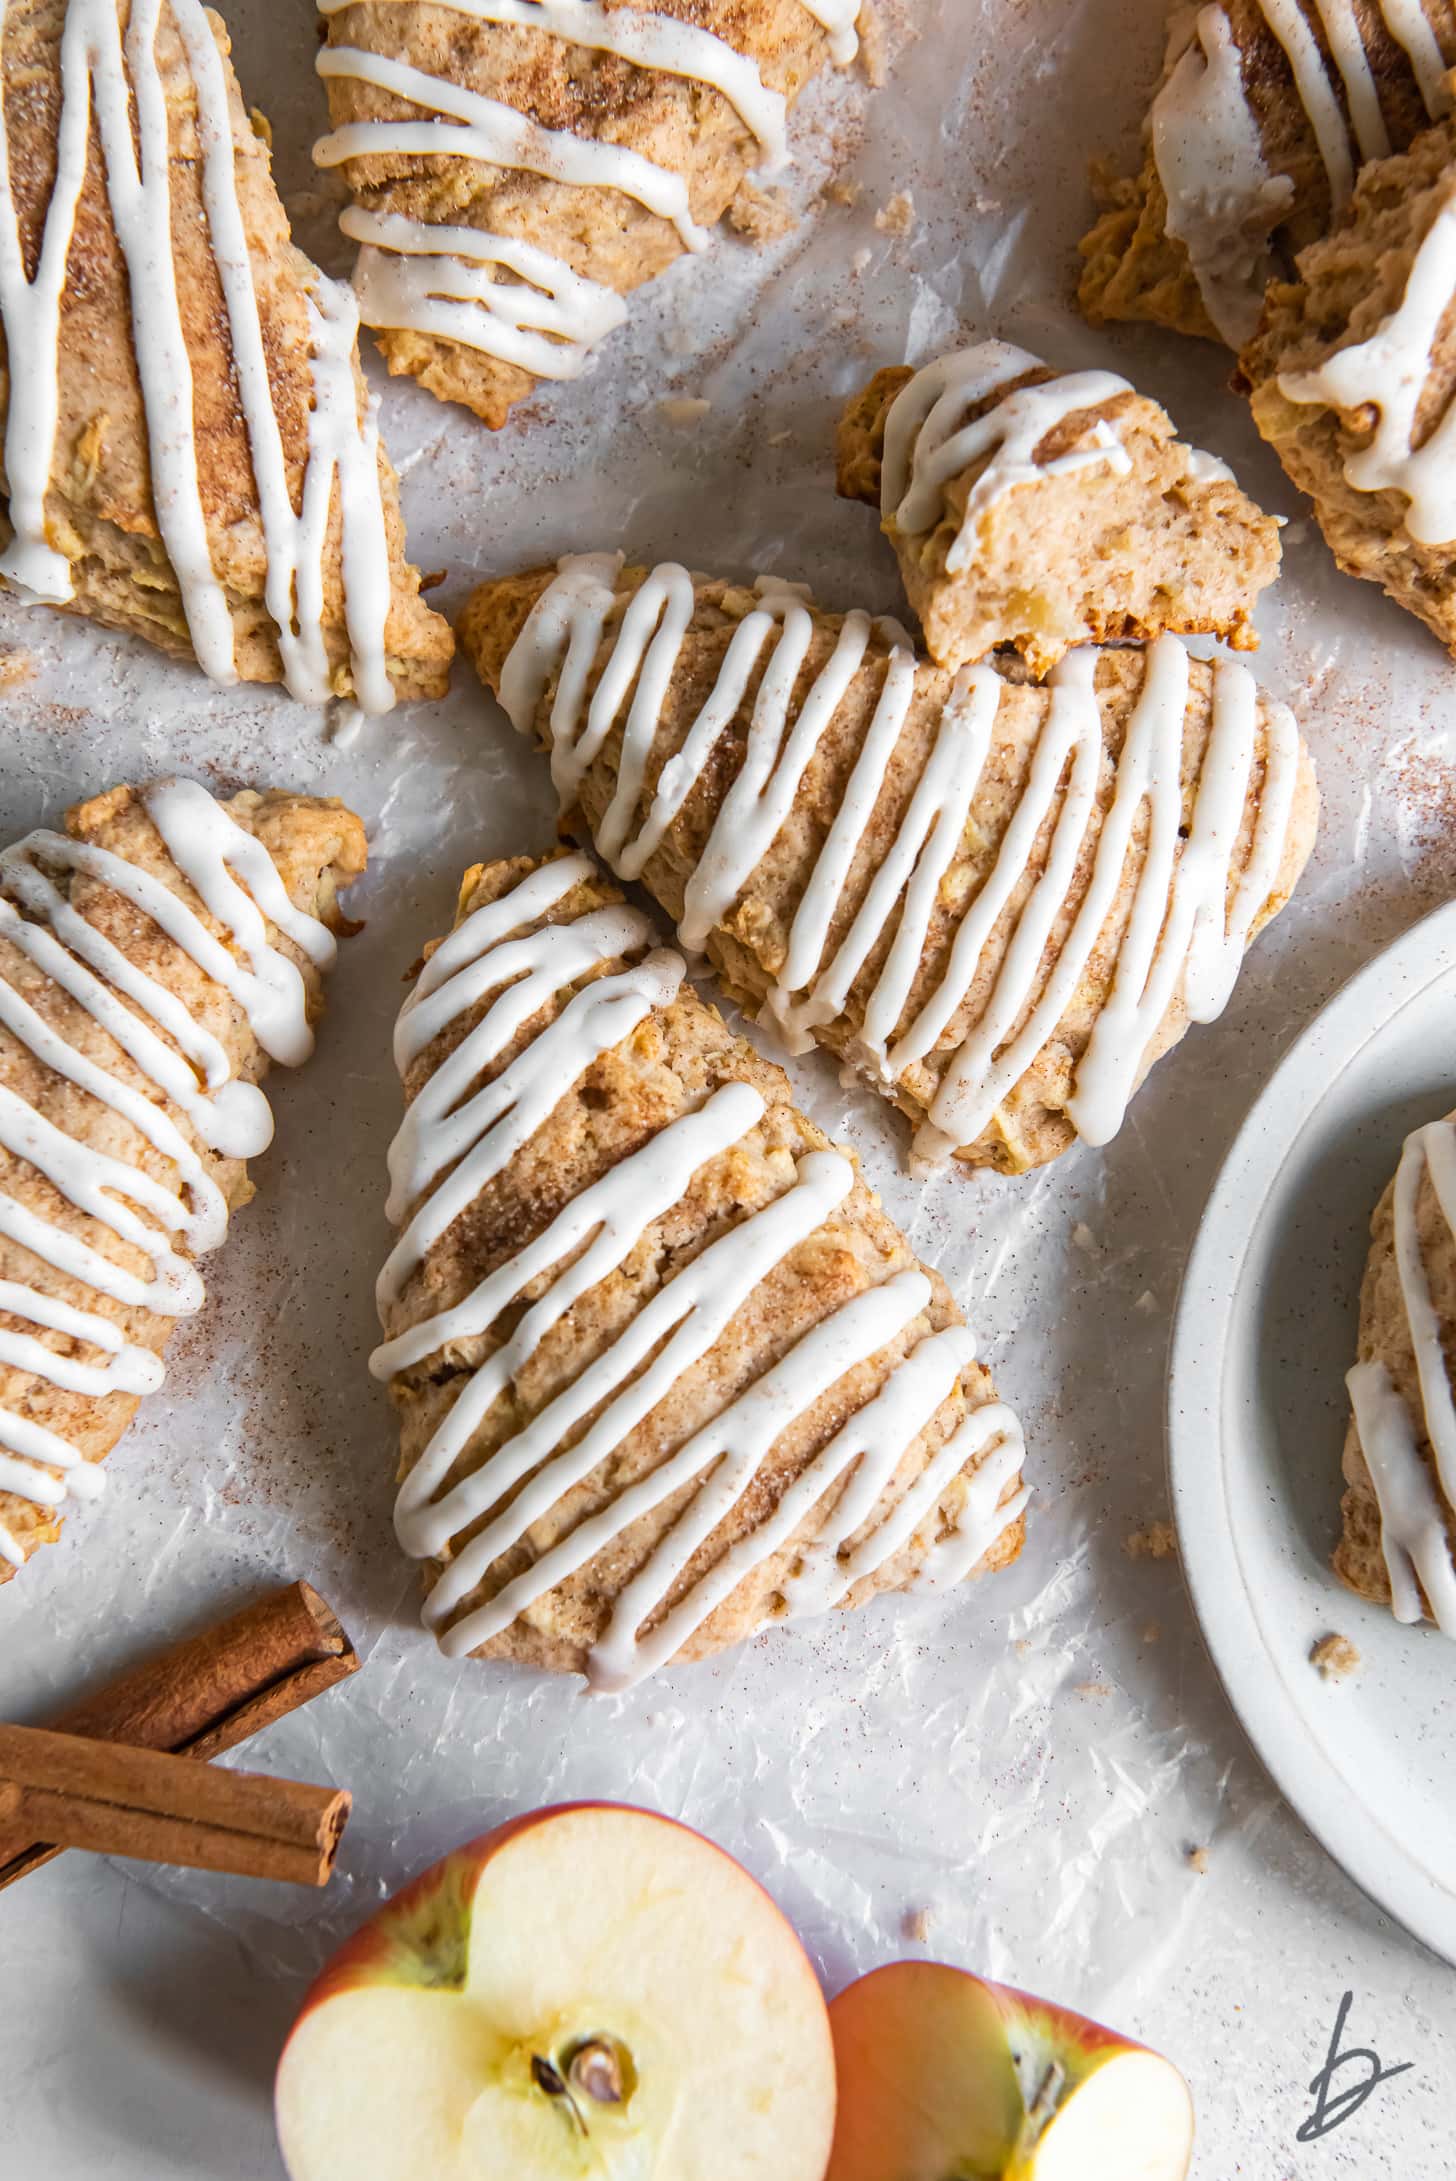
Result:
pixel 1317 1791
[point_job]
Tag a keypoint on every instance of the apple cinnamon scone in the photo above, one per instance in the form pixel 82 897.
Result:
pixel 189 450
pixel 665 1370
pixel 1265 112
pixel 1352 374
pixel 999 902
pixel 154 959
pixel 1045 509
pixel 1399 1508
pixel 518 167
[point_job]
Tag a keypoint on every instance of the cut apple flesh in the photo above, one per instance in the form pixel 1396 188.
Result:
pixel 626 2005
pixel 1130 2120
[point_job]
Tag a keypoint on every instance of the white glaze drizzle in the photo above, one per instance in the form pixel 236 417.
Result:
pixel 171 1051
pixel 484 1131
pixel 1208 469
pixel 1413 1538
pixel 1183 937
pixel 1291 29
pixel 1224 202
pixel 1362 99
pixel 547 318
pixel 589 1239
pixel 648 40
pixel 483 128
pixel 1413 1511
pixel 124 85
pixel 930 437
pixel 841 19
pixel 1407 22
pixel 1389 372
pixel 806 995
pixel 542 316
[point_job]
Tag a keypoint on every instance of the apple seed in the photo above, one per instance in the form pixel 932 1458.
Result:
pixel 596 2070
pixel 548 2078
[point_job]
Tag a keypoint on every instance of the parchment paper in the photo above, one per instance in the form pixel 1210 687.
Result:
pixel 1023 1772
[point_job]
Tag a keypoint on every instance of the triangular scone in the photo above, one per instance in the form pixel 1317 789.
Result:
pixel 519 166
pixel 1265 112
pixel 1399 1542
pixel 1353 374
pixel 665 1370
pixel 154 959
pixel 189 449
pixel 1000 902
pixel 1044 509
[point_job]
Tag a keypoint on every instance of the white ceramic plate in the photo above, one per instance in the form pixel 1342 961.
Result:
pixel 1257 1408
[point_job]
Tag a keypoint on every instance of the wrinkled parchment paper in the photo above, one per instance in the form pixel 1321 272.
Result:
pixel 1016 1779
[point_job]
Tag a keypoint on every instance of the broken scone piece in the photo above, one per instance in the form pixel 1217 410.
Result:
pixel 154 959
pixel 1399 1508
pixel 665 1371
pixel 189 449
pixel 1265 113
pixel 998 901
pixel 1045 509
pixel 1353 374
pixel 519 166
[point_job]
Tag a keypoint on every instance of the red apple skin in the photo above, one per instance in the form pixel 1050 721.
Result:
pixel 358 1959
pixel 1080 2043
pixel 1061 2025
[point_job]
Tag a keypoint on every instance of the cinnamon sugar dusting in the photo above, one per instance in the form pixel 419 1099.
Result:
pixel 1426 782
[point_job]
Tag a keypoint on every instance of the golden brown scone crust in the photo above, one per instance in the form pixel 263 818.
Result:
pixel 601 233
pixel 1347 285
pixel 1085 557
pixel 317 847
pixel 1030 1126
pixel 1385 1337
pixel 99 509
pixel 1133 269
pixel 674 1059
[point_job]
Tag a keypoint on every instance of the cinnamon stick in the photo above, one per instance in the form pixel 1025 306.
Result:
pixel 145 1803
pixel 206 1694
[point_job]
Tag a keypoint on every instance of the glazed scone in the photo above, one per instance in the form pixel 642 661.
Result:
pixel 189 450
pixel 154 959
pixel 999 902
pixel 1265 112
pixel 1352 376
pixel 518 167
pixel 664 1369
pixel 1399 1508
pixel 1043 510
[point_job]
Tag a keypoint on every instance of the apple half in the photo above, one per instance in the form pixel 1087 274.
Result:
pixel 944 2077
pixel 590 1991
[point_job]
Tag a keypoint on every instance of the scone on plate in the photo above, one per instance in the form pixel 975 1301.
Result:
pixel 998 901
pixel 1044 509
pixel 1399 1542
pixel 1353 372
pixel 1265 113
pixel 665 1371
pixel 189 449
pixel 518 167
pixel 155 958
